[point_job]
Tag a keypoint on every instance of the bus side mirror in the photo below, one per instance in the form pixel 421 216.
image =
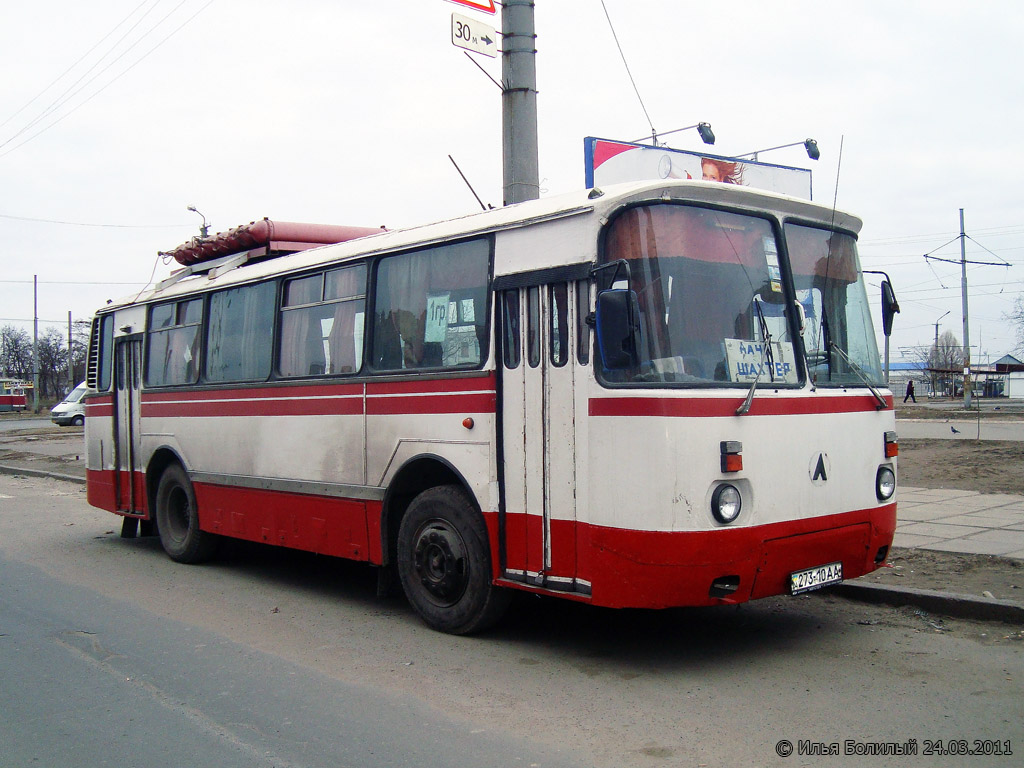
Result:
pixel 889 307
pixel 617 322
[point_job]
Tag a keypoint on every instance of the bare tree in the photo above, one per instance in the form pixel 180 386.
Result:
pixel 15 353
pixel 948 353
pixel 1016 317
pixel 946 359
pixel 53 363
pixel 79 349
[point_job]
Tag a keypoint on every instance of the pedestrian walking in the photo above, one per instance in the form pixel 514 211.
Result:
pixel 910 392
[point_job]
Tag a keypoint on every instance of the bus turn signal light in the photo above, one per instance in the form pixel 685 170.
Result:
pixel 732 455
pixel 892 445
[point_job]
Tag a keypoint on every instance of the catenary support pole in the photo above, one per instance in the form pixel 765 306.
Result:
pixel 963 298
pixel 71 364
pixel 35 343
pixel 521 175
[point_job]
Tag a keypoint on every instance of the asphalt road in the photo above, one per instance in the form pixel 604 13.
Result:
pixel 11 423
pixel 110 654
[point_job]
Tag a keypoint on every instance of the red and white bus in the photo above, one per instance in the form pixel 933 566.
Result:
pixel 660 394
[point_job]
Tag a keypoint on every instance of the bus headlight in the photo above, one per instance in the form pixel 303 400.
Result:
pixel 885 483
pixel 726 503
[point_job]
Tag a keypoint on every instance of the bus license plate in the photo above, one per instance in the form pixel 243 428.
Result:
pixel 815 578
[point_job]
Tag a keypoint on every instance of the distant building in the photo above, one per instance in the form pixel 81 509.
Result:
pixel 1003 378
pixel 1014 374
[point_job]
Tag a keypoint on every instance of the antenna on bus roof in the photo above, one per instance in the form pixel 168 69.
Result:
pixel 482 206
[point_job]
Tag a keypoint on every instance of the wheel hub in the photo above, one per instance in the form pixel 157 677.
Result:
pixel 440 562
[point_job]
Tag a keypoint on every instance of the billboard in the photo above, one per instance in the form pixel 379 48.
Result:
pixel 611 162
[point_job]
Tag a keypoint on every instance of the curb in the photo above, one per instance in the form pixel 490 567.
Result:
pixel 6 469
pixel 944 603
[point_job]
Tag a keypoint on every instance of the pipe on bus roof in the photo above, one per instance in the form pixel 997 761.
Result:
pixel 256 234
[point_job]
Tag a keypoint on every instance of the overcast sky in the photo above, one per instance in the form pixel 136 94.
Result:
pixel 121 113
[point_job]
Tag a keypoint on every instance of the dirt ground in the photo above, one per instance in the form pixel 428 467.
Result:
pixel 985 466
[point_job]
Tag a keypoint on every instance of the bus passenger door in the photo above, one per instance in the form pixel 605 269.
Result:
pixel 537 429
pixel 130 483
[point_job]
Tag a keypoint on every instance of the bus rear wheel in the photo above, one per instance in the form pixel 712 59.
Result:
pixel 444 563
pixel 177 519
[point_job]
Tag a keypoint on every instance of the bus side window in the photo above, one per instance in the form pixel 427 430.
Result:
pixel 582 329
pixel 559 323
pixel 430 307
pixel 322 323
pixel 172 348
pixel 239 331
pixel 511 337
pixel 533 326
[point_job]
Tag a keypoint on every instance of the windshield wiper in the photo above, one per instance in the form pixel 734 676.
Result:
pixel 862 376
pixel 766 355
pixel 767 339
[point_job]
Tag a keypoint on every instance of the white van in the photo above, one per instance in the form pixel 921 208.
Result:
pixel 70 410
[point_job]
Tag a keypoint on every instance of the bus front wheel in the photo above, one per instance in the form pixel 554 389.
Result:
pixel 177 519
pixel 444 563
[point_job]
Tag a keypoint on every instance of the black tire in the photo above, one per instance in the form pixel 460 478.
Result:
pixel 177 519
pixel 78 421
pixel 444 563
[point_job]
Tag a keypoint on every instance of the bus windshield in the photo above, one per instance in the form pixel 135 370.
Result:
pixel 714 293
pixel 838 335
pixel 711 296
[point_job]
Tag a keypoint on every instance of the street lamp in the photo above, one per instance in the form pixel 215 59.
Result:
pixel 204 230
pixel 810 146
pixel 704 129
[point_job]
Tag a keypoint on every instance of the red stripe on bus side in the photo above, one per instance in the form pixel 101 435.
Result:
pixel 719 407
pixel 347 406
pixel 99 405
pixel 327 390
pixel 481 402
pixel 326 525
pixel 101 488
pixel 471 384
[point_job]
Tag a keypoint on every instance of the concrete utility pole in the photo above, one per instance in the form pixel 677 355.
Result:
pixel 935 354
pixel 963 298
pixel 71 365
pixel 521 174
pixel 35 343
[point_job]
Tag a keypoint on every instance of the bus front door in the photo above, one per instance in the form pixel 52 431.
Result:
pixel 537 436
pixel 130 485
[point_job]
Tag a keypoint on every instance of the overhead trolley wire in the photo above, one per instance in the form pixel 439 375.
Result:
pixel 117 77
